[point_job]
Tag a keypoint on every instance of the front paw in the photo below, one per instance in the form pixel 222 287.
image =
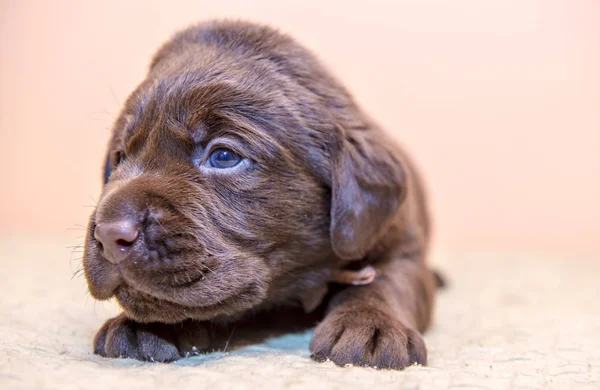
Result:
pixel 121 337
pixel 366 336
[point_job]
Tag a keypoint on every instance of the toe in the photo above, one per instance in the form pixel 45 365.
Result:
pixel 156 344
pixel 121 340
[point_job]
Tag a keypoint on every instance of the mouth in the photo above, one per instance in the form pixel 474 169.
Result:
pixel 173 278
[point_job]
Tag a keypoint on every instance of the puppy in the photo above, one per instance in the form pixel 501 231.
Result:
pixel 241 177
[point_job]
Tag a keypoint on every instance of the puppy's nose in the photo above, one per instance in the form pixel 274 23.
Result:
pixel 116 238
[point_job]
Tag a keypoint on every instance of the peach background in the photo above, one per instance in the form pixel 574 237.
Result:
pixel 498 100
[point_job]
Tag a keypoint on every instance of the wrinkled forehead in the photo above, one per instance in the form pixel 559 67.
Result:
pixel 195 103
pixel 193 108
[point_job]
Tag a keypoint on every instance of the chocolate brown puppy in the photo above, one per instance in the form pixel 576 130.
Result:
pixel 241 177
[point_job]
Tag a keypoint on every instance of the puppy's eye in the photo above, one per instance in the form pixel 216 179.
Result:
pixel 224 158
pixel 120 157
pixel 113 159
pixel 116 157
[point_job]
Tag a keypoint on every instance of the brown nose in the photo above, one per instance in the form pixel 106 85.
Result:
pixel 116 238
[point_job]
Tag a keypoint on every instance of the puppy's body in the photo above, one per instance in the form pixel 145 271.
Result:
pixel 316 187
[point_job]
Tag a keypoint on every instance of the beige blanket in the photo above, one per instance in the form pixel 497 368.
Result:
pixel 505 322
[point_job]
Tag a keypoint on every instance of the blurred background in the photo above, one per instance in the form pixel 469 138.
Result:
pixel 497 100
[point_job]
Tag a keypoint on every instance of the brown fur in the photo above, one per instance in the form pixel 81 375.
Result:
pixel 321 188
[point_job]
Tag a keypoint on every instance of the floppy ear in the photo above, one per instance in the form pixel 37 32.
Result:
pixel 368 187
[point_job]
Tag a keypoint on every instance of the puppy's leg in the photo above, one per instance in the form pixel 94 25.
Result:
pixel 380 324
pixel 121 337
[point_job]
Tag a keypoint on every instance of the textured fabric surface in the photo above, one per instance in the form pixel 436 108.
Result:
pixel 505 322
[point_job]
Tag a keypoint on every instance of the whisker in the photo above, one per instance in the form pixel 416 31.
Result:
pixel 112 92
pixel 77 228
pixel 229 339
pixel 208 268
pixel 161 225
pixel 77 273
pixel 93 200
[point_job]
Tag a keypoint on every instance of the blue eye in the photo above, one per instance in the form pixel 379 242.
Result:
pixel 224 158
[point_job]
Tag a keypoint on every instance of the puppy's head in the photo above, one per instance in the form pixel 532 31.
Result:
pixel 238 173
